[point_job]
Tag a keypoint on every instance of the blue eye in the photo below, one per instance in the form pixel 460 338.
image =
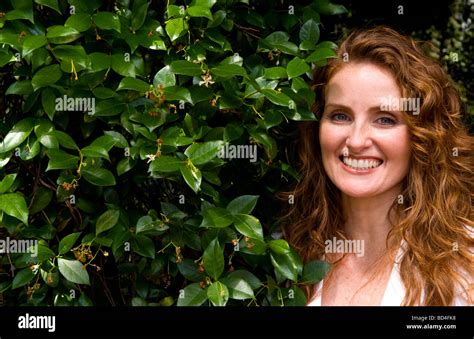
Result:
pixel 387 121
pixel 339 116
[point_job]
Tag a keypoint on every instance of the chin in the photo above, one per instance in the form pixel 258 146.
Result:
pixel 358 193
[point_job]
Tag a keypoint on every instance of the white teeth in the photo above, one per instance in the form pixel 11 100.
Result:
pixel 361 164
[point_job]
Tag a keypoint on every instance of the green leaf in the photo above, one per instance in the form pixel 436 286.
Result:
pixel 22 10
pixel 99 176
pixel 7 182
pixel 227 71
pixel 325 7
pixel 297 67
pixel 43 127
pixel 88 6
pixel 58 159
pixel 272 118
pixel 213 259
pixel 301 114
pixel 177 93
pixel 48 100
pixel 321 53
pixel 276 73
pixel 134 85
pixel 201 153
pixel 216 217
pixel 164 77
pixel 85 301
pixel 192 295
pixel 279 246
pixel 21 87
pixel 50 278
pixel 144 246
pixel 50 3
pixel 20 131
pixel 46 76
pixel 14 205
pixel 173 10
pixel 107 141
pixel 166 163
pixel 103 92
pixel 109 107
pixel 199 11
pixel 248 277
pixel 314 271
pixel 11 39
pixel 288 48
pixel 175 28
pixel 100 61
pixel 107 20
pixel 243 204
pixel 146 223
pixel 65 140
pixel 276 97
pixel 218 294
pixel 62 34
pixel 43 251
pixel 192 176
pixel 310 31
pixel 41 200
pixel 119 139
pixel 81 22
pixel 123 66
pixel 190 270
pixel 106 221
pixel 239 288
pixel 277 37
pixel 95 152
pixel 125 165
pixel 67 242
pixel 284 265
pixel 22 278
pixel 74 271
pixel 69 55
pixel 185 68
pixel 33 42
pixel 249 226
pixel 139 16
pixel 206 3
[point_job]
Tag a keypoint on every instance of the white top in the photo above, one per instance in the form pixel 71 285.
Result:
pixel 395 290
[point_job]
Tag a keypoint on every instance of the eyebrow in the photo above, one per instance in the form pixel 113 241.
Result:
pixel 371 109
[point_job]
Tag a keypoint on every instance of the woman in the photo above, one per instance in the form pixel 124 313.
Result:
pixel 387 171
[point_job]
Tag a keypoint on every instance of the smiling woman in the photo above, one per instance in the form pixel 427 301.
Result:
pixel 396 178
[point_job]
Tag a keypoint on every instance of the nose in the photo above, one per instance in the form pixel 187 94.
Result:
pixel 359 137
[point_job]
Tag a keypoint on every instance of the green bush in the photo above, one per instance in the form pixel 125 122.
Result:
pixel 117 116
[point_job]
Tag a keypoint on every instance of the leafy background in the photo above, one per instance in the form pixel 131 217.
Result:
pixel 131 205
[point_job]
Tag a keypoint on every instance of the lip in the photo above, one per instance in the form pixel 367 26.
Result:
pixel 359 171
pixel 361 158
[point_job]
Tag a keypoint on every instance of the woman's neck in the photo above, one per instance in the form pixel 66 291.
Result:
pixel 367 220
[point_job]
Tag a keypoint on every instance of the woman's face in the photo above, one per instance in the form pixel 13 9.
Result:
pixel 376 143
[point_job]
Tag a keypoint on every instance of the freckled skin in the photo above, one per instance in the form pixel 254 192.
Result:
pixel 356 92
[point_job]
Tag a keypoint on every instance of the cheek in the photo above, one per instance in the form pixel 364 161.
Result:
pixel 397 146
pixel 329 138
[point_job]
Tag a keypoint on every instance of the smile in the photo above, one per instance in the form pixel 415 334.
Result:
pixel 360 164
